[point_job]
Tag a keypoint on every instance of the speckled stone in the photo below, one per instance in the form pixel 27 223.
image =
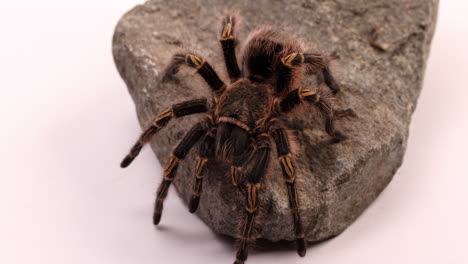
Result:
pixel 337 182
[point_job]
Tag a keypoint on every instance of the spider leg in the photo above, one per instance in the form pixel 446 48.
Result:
pixel 260 162
pixel 203 68
pixel 200 172
pixel 297 97
pixel 284 155
pixel 317 64
pixel 241 153
pixel 229 43
pixel 182 149
pixel 237 167
pixel 177 110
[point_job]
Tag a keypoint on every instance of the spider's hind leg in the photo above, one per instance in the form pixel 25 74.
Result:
pixel 328 78
pixel 229 43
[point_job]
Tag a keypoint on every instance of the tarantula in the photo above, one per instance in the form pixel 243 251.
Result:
pixel 243 118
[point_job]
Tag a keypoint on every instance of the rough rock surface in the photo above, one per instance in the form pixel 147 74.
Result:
pixel 337 181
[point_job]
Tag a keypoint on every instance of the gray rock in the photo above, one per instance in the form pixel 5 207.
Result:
pixel 380 82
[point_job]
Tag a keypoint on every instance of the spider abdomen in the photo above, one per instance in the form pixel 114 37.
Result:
pixel 263 51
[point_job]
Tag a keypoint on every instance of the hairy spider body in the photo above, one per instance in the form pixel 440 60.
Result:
pixel 243 120
pixel 246 102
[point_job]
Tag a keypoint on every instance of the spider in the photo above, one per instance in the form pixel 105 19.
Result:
pixel 242 120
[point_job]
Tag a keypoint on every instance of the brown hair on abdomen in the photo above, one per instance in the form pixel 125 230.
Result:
pixel 263 51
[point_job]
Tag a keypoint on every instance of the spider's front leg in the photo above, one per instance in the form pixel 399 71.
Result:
pixel 283 147
pixel 295 98
pixel 317 64
pixel 175 111
pixel 229 43
pixel 255 176
pixel 182 149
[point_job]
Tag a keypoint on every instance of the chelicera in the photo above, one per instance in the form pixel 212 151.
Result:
pixel 242 120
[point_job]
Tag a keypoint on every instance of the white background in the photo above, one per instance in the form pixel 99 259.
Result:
pixel 67 120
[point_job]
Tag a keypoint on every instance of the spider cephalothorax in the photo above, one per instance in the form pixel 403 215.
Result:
pixel 243 119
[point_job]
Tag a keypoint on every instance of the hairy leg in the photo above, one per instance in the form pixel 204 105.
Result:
pixel 254 179
pixel 299 96
pixel 175 111
pixel 284 155
pixel 203 68
pixel 241 153
pixel 229 43
pixel 182 149
pixel 200 172
pixel 316 64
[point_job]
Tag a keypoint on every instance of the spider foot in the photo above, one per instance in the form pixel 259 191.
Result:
pixel 241 257
pixel 125 162
pixel 335 89
pixel 242 253
pixel 345 113
pixel 193 204
pixel 156 218
pixel 228 28
pixel 157 212
pixel 301 247
pixel 338 137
